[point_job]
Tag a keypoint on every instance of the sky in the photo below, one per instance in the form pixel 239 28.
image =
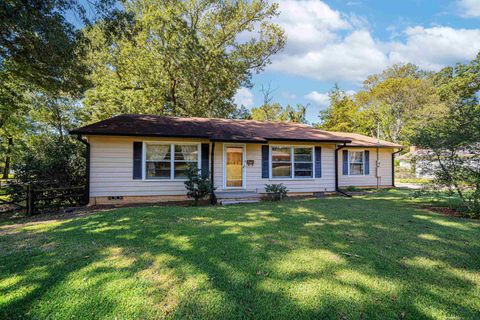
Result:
pixel 343 42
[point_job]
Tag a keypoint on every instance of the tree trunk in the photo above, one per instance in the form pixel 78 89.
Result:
pixel 6 169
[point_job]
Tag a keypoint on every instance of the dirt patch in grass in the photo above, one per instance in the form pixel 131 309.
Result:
pixel 446 211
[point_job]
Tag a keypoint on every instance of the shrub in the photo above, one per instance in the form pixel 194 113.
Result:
pixel 276 192
pixel 198 186
pixel 49 163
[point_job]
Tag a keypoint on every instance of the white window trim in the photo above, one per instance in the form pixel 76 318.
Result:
pixel 292 162
pixel 172 159
pixel 363 163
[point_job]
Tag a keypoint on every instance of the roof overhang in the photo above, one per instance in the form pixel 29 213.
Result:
pixel 238 140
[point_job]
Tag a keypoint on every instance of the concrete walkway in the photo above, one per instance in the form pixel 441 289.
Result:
pixel 413 186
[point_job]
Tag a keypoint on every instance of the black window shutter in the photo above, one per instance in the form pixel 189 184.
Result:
pixel 318 162
pixel 204 165
pixel 367 162
pixel 265 165
pixel 345 162
pixel 137 159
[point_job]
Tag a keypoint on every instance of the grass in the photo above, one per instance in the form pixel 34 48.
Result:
pixel 376 256
pixel 413 180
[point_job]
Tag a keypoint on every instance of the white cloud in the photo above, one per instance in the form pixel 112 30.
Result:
pixel 326 45
pixel 243 97
pixel 469 8
pixel 309 23
pixel 320 99
pixel 349 59
pixel 434 48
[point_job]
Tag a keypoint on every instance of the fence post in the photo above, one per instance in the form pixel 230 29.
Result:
pixel 30 200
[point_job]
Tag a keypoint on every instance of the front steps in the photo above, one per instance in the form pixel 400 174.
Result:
pixel 234 197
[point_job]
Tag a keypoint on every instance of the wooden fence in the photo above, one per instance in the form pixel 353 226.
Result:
pixel 38 200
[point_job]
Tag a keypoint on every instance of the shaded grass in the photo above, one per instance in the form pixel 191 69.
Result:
pixel 371 257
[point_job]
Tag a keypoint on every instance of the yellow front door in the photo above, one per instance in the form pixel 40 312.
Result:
pixel 234 167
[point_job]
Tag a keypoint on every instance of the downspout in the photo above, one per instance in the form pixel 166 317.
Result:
pixel 336 171
pixel 87 173
pixel 376 170
pixel 213 197
pixel 393 166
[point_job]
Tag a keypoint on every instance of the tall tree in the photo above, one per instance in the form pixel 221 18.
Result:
pixel 41 47
pixel 392 104
pixel 452 143
pixel 183 58
pixel 399 100
pixel 342 114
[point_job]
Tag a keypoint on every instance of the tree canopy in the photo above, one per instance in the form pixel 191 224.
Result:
pixel 184 58
pixel 391 104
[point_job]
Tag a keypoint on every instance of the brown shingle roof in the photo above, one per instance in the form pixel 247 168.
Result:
pixel 213 129
pixel 359 140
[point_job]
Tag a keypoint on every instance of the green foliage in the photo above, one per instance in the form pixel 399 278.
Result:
pixel 180 58
pixel 276 191
pixel 275 112
pixel 241 113
pixel 49 162
pixel 197 185
pixel 452 143
pixel 343 113
pixel 40 47
pixel 392 104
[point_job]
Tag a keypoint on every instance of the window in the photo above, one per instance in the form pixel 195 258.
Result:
pixel 185 155
pixel 356 164
pixel 303 162
pixel 292 162
pixel 169 161
pixel 158 162
pixel 281 162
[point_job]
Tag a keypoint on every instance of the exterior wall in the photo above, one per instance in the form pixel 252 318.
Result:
pixel 111 169
pixel 381 175
pixel 254 181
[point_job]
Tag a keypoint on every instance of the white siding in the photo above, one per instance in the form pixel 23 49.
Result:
pixel 254 181
pixel 384 176
pixel 111 169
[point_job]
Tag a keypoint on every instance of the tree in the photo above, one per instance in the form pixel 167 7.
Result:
pixel 41 54
pixel 241 113
pixel 40 47
pixel 342 115
pixel 273 111
pixel 183 58
pixel 452 143
pixel 397 101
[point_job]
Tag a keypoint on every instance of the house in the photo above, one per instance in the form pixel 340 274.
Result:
pixel 142 158
pixel 412 165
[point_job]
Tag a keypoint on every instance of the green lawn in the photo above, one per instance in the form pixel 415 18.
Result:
pixel 413 180
pixel 372 257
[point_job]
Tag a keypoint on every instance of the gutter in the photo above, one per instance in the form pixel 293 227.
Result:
pixel 336 171
pixel 87 173
pixel 393 165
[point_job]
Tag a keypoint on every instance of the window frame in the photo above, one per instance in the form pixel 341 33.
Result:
pixel 350 163
pixel 172 159
pixel 292 162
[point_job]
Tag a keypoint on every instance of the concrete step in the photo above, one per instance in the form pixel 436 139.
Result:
pixel 235 195
pixel 226 202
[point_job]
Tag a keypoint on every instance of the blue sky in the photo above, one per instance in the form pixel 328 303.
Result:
pixel 333 41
